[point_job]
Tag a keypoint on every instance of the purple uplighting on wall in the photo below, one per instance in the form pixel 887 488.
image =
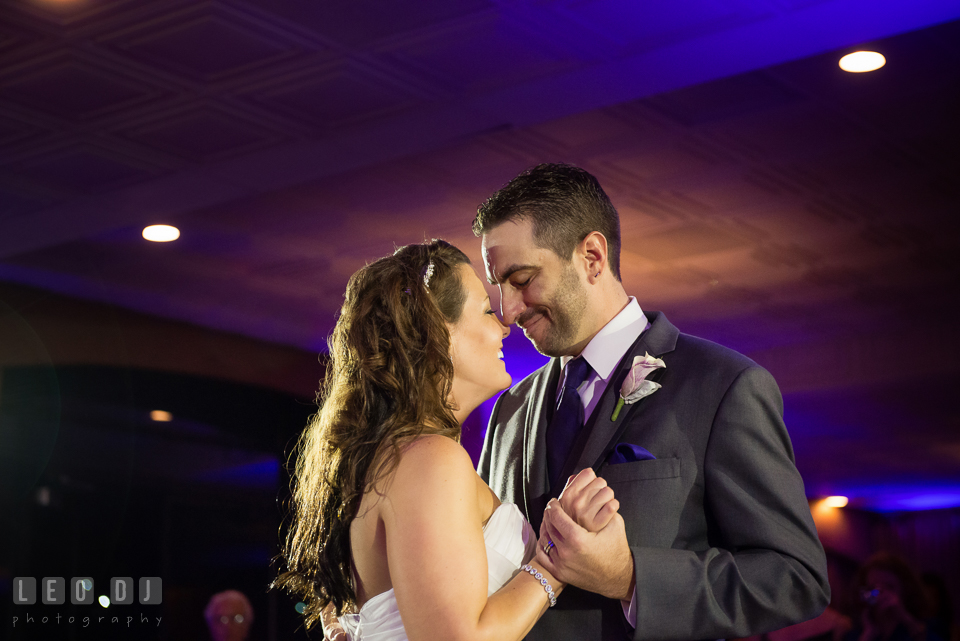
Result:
pixel 265 473
pixel 904 497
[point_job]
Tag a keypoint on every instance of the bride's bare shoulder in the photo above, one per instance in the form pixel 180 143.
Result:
pixel 434 451
pixel 429 459
pixel 431 464
pixel 434 474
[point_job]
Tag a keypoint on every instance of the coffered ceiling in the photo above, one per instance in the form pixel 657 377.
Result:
pixel 769 201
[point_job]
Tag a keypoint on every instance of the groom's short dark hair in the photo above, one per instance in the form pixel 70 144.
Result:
pixel 565 204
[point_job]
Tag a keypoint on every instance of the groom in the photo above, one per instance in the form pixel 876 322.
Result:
pixel 716 540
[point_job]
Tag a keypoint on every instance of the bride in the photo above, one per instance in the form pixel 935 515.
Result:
pixel 393 529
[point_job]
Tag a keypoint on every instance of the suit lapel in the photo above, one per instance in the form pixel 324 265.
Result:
pixel 600 433
pixel 543 398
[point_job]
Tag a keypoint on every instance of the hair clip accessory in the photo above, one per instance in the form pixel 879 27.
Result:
pixel 427 274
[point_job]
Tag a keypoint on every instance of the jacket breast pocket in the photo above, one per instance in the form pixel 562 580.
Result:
pixel 651 495
pixel 661 468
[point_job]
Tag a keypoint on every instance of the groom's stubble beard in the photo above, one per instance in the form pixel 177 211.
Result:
pixel 564 313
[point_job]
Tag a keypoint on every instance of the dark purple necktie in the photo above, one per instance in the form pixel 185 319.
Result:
pixel 567 420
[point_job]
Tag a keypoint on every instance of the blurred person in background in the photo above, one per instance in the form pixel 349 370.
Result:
pixel 892 602
pixel 229 616
pixel 941 607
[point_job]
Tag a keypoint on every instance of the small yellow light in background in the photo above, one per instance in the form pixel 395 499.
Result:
pixel 862 61
pixel 160 416
pixel 161 233
pixel 104 601
pixel 835 501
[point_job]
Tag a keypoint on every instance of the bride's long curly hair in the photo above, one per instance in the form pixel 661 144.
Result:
pixel 388 381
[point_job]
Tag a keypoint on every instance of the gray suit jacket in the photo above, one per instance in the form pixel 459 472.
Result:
pixel 720 529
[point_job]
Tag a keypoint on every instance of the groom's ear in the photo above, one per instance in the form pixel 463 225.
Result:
pixel 591 254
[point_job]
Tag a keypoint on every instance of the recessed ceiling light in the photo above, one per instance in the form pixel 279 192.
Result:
pixel 160 416
pixel 161 233
pixel 862 61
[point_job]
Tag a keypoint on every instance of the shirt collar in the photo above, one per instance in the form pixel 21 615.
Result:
pixel 607 348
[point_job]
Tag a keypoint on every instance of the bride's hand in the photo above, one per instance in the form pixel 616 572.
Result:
pixel 589 501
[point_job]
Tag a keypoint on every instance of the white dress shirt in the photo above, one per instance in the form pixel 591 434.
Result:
pixel 603 353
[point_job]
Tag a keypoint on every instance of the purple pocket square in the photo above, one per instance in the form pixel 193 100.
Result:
pixel 627 453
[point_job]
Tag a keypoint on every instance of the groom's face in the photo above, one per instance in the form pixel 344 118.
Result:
pixel 540 292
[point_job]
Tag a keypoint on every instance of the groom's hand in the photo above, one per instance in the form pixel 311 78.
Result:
pixel 589 501
pixel 599 562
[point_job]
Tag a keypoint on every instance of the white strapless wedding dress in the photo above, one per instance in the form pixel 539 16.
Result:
pixel 510 542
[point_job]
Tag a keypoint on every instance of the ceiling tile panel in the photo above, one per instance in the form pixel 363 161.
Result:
pixel 476 161
pixel 730 189
pixel 14 40
pixel 595 133
pixel 669 160
pixel 85 169
pixel 73 89
pixel 345 94
pixel 642 26
pixel 831 209
pixel 862 167
pixel 209 42
pixel 482 53
pixel 14 132
pixel 937 149
pixel 692 239
pixel 784 255
pixel 733 97
pixel 204 134
pixel 836 277
pixel 798 130
pixel 13 203
pixel 205 47
pixel 71 13
pixel 670 205
pixel 360 23
pixel 532 146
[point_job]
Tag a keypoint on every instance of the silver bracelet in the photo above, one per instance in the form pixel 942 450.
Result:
pixel 543 581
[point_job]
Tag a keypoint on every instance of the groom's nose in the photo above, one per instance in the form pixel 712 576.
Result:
pixel 505 329
pixel 511 305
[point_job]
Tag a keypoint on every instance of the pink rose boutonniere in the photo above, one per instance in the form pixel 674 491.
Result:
pixel 636 385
